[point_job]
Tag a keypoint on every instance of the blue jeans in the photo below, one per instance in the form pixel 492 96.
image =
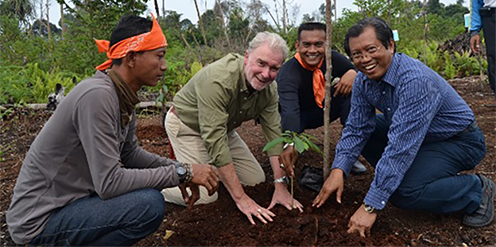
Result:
pixel 119 221
pixel 433 183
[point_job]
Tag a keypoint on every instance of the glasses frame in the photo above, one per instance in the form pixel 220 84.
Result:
pixel 360 56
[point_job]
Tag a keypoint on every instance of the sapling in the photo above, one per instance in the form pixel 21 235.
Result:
pixel 302 142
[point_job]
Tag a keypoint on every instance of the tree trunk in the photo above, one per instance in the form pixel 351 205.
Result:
pixel 155 2
pixel 62 25
pixel 48 19
pixel 389 12
pixel 200 23
pixel 284 26
pixel 424 12
pixel 273 19
pixel 327 106
pixel 335 11
pixel 223 24
pixel 163 10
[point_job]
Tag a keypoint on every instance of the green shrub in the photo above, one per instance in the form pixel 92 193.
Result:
pixel 31 84
pixel 449 69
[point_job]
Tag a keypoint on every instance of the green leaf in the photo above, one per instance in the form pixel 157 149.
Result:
pixel 312 145
pixel 299 145
pixel 273 143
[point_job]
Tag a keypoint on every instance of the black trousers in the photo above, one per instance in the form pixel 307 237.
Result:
pixel 311 118
pixel 488 16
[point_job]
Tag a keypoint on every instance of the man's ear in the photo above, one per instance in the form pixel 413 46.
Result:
pixel 130 59
pixel 297 43
pixel 391 46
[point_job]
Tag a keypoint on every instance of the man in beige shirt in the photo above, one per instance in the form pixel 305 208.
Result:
pixel 201 124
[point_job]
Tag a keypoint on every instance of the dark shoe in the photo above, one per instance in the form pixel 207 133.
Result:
pixel 312 178
pixel 484 215
pixel 358 168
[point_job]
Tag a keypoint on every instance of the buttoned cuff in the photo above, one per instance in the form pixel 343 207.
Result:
pixel 376 198
pixel 342 164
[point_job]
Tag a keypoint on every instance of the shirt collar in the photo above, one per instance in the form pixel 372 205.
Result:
pixel 392 72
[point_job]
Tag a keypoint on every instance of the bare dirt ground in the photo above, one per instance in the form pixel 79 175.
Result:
pixel 221 223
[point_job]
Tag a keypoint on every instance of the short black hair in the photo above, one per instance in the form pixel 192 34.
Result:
pixel 310 26
pixel 129 26
pixel 382 31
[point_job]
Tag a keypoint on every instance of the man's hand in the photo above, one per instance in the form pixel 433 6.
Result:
pixel 250 208
pixel 244 203
pixel 334 183
pixel 282 196
pixel 287 160
pixel 205 175
pixel 474 43
pixel 195 194
pixel 345 84
pixel 362 222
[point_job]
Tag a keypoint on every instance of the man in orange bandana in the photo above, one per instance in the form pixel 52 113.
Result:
pixel 301 84
pixel 85 180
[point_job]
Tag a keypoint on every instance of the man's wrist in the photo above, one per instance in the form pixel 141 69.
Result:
pixel 474 32
pixel 283 180
pixel 289 144
pixel 184 172
pixel 370 209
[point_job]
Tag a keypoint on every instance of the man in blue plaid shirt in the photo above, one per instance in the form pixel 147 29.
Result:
pixel 423 138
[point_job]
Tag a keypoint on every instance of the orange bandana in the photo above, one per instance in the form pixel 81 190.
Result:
pixel 318 80
pixel 142 42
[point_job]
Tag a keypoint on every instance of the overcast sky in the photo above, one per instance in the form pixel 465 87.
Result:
pixel 186 7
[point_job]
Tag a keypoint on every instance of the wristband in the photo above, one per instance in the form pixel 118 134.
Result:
pixel 288 145
pixel 284 180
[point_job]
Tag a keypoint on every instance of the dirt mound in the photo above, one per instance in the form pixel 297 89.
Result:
pixel 222 224
pixel 460 44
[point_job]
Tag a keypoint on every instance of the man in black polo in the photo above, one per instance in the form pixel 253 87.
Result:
pixel 301 83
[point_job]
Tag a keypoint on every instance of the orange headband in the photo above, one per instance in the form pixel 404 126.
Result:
pixel 142 42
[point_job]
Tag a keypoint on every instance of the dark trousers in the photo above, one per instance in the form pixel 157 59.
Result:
pixel 314 117
pixel 433 183
pixel 91 221
pixel 489 27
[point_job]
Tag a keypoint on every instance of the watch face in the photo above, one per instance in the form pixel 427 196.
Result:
pixel 181 170
pixel 369 208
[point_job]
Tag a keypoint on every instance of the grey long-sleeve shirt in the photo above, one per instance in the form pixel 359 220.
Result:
pixel 81 150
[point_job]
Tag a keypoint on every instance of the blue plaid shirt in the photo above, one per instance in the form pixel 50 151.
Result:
pixel 419 105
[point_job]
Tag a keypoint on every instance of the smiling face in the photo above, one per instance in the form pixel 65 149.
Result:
pixel 369 55
pixel 261 66
pixel 311 46
pixel 149 67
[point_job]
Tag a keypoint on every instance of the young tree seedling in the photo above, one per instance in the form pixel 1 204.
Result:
pixel 302 142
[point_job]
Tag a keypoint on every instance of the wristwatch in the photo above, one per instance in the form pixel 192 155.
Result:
pixel 182 172
pixel 284 180
pixel 369 209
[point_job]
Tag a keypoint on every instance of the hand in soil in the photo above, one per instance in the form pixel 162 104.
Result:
pixel 334 183
pixel 288 158
pixel 195 194
pixel 361 222
pixel 250 208
pixel 204 174
pixel 282 196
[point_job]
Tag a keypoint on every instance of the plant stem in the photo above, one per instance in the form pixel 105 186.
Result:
pixel 292 194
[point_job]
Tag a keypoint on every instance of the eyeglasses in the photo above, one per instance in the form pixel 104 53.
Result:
pixel 370 51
